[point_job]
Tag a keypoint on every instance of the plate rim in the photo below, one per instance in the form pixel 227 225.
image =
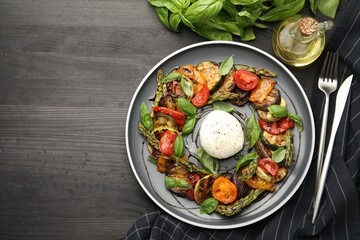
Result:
pixel 312 131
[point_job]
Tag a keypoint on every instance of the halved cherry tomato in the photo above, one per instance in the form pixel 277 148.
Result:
pixel 260 92
pixel 277 127
pixel 166 142
pixel 245 80
pixel 201 96
pixel 179 117
pixel 224 190
pixel 269 166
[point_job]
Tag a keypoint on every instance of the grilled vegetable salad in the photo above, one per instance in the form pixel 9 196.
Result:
pixel 267 133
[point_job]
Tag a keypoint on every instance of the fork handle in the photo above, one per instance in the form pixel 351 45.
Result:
pixel 322 140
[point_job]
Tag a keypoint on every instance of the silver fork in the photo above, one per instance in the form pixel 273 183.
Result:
pixel 327 84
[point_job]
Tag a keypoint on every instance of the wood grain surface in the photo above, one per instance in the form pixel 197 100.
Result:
pixel 68 70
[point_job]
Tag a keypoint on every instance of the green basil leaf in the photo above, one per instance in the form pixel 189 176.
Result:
pixel 163 14
pixel 145 117
pixel 278 111
pixel 189 126
pixel 245 2
pixel 179 146
pixel 174 22
pixel 170 182
pixel 157 3
pixel 209 205
pixel 187 107
pixel 245 18
pixel 284 11
pixel 248 34
pixel 152 159
pixel 211 33
pixel 182 183
pixel 186 22
pixel 228 24
pixel 328 7
pixel 251 130
pixel 220 105
pixel 187 86
pixel 278 155
pixel 298 121
pixel 211 164
pixel 176 6
pixel 171 77
pixel 203 10
pixel 246 159
pixel 230 9
pixel 226 65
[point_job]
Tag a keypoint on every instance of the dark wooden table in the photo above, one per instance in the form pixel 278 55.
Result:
pixel 68 70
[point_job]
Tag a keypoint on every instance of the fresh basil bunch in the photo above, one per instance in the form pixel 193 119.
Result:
pixel 223 19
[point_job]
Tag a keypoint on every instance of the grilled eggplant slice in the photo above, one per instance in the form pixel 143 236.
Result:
pixel 212 74
pixel 228 84
pixel 262 150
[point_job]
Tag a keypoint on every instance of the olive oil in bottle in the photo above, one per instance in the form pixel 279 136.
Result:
pixel 299 40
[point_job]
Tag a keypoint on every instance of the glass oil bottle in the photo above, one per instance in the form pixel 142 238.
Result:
pixel 299 40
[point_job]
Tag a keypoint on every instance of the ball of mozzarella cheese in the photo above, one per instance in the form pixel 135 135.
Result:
pixel 221 134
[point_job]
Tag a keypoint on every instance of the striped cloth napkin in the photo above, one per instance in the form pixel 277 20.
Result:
pixel 339 216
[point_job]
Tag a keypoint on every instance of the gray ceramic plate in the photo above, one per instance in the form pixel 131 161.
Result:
pixel 153 182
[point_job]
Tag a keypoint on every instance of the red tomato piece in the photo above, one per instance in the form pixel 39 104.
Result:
pixel 245 80
pixel 166 142
pixel 269 166
pixel 201 96
pixel 277 127
pixel 179 117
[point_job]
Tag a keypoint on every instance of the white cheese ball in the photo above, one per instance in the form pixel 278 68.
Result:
pixel 221 134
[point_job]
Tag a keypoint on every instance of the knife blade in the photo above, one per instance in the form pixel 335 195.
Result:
pixel 341 98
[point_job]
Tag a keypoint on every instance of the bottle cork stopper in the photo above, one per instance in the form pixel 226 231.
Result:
pixel 308 26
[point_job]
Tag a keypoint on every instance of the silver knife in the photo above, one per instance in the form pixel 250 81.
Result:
pixel 341 98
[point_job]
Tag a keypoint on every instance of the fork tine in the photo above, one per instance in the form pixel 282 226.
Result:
pixel 322 73
pixel 329 68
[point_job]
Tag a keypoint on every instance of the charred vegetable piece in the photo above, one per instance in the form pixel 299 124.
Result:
pixel 159 90
pixel 272 98
pixel 178 173
pixel 166 142
pixel 259 183
pixel 277 127
pixel 289 148
pixel 150 137
pixel 173 88
pixel 163 163
pixel 258 71
pixel 179 117
pixel 203 188
pixel 224 190
pixel 274 141
pixel 238 205
pixel 228 84
pixel 245 80
pixel 194 74
pixel 242 98
pixel 269 166
pixel 241 186
pixel 169 102
pixel 260 92
pixel 212 74
pixel 217 96
pixel 163 122
pixel 262 150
